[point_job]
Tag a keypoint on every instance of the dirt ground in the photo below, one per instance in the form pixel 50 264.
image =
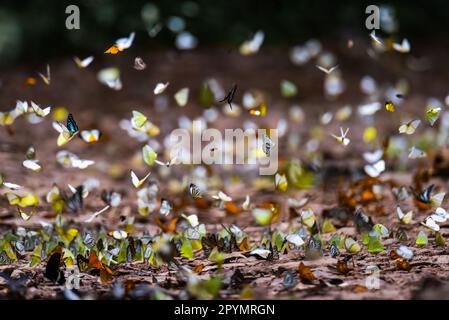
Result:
pixel 96 106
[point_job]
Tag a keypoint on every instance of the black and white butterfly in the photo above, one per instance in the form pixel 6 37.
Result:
pixel 194 191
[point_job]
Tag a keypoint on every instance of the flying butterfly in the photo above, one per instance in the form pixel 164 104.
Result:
pixel 83 63
pixel 165 208
pixel 432 114
pixel 230 96
pixel 195 192
pixel 389 106
pixel 139 64
pixel 137 183
pixel 46 78
pixel 342 138
pixel 409 127
pixel 75 201
pixel 90 135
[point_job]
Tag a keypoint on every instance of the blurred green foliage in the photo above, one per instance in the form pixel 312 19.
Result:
pixel 36 29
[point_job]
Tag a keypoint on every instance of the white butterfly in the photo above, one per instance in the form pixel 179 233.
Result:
pixel 83 63
pixel 160 87
pixel 403 47
pixel 375 169
pixel 431 224
pixel 90 135
pixel 222 196
pixel 404 218
pixel 409 127
pixel 416 153
pixel 135 180
pixel 440 215
pixel 40 112
pixel 369 109
pixel 125 43
pixel 253 45
pixel 373 156
pixel 46 78
pixel 326 70
pixel 405 252
pixel 295 239
pixel 342 138
pixel 168 163
pixel 182 96
pixel 32 164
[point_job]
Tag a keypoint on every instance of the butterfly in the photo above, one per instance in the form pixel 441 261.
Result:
pixel 40 112
pixel 111 198
pixel 404 252
pixel 373 156
pixel 230 96
pixel 168 163
pixel 165 208
pixel 30 162
pixel 425 199
pixel 334 252
pixel 431 224
pixel 118 234
pixel 432 114
pixel 52 269
pixel 139 64
pixel 82 263
pixel 83 63
pixel 403 47
pixel 415 153
pixel 160 88
pixel 342 138
pixel 46 78
pixel 121 44
pixel 182 96
pixel 195 192
pixel 374 170
pixel 389 106
pixel 135 180
pixel 404 217
pixel 362 221
pixel 295 239
pixel 66 133
pixel 327 70
pixel 138 120
pixel 313 250
pixel 90 135
pixel 440 215
pixel 75 201
pixel 409 127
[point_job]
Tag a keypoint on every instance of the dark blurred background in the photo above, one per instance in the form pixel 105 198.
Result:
pixel 34 30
